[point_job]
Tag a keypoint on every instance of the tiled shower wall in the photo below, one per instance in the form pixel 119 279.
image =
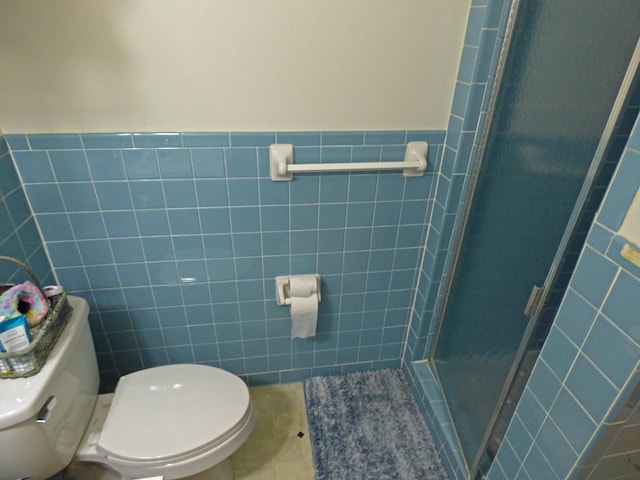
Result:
pixel 175 241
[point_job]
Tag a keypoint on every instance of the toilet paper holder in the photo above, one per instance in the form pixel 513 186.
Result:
pixel 282 288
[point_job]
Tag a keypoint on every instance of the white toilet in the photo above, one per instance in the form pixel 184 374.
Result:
pixel 175 421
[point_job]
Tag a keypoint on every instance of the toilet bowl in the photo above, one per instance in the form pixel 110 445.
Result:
pixel 175 421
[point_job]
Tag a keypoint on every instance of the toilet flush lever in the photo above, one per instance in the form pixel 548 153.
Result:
pixel 47 408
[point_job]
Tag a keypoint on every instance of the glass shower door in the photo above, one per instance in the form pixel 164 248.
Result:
pixel 565 66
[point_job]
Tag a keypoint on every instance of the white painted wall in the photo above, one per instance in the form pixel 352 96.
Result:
pixel 238 65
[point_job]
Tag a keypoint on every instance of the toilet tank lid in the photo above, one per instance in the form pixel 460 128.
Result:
pixel 172 410
pixel 22 398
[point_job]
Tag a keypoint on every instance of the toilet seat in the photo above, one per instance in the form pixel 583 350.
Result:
pixel 172 413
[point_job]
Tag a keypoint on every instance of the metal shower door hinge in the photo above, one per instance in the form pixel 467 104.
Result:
pixel 536 301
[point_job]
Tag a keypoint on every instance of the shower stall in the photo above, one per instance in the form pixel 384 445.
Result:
pixel 556 125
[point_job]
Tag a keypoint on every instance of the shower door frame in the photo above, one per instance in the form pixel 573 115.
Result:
pixel 631 75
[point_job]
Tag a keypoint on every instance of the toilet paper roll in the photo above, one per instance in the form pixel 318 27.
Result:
pixel 304 316
pixel 302 286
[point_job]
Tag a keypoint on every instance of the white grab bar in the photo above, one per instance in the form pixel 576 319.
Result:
pixel 282 167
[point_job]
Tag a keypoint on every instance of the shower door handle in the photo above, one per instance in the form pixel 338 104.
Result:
pixel 536 301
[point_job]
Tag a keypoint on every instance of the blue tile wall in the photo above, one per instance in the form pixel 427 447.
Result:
pixel 588 367
pixel 175 240
pixel 19 236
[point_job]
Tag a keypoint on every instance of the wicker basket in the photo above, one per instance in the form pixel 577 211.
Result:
pixel 29 361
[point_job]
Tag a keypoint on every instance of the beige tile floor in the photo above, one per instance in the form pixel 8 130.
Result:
pixel 274 449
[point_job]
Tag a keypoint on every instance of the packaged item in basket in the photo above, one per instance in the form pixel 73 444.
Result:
pixel 15 335
pixel 53 292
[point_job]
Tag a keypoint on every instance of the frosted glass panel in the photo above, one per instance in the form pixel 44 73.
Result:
pixel 565 67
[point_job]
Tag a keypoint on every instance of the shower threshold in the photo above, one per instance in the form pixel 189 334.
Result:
pixel 450 451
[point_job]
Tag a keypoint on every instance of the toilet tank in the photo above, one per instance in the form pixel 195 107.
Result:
pixel 43 417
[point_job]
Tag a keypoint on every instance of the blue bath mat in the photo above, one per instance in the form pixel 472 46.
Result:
pixel 366 425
